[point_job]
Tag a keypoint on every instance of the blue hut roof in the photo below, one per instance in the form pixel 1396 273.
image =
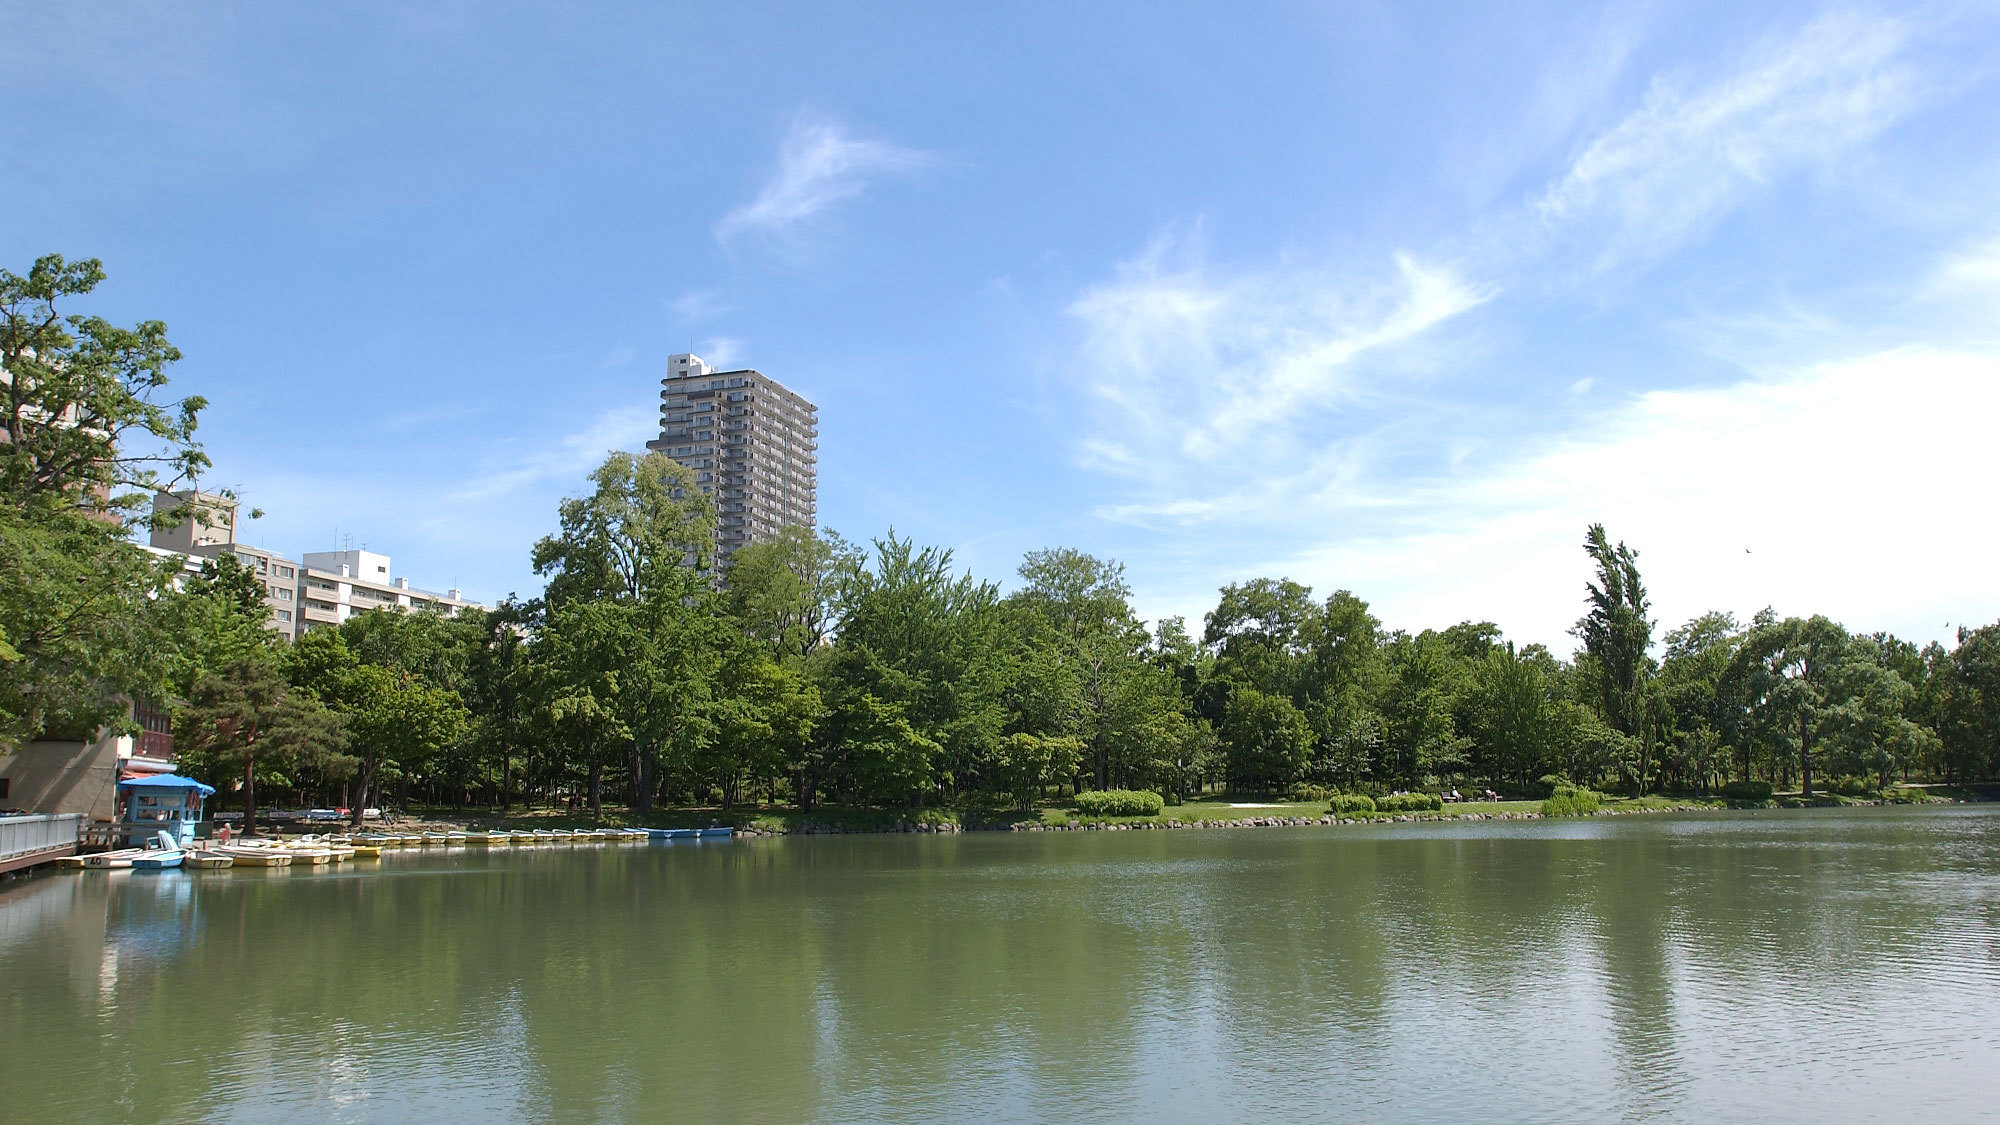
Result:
pixel 166 781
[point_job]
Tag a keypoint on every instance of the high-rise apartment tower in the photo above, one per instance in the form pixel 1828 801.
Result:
pixel 752 444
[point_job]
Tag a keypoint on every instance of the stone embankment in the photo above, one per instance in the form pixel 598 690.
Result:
pixel 835 829
pixel 1262 822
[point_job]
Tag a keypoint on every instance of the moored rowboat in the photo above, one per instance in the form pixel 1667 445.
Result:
pixel 106 861
pixel 167 855
pixel 245 855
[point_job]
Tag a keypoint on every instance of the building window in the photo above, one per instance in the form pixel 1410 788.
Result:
pixel 284 615
pixel 6 783
pixel 285 572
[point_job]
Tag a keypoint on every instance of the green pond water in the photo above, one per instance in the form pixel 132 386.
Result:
pixel 1823 966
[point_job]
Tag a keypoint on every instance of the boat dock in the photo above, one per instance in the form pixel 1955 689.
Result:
pixel 338 851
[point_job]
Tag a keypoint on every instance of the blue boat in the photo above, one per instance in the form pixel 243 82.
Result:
pixel 715 833
pixel 168 854
pixel 679 833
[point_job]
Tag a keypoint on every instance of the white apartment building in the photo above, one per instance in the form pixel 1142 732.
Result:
pixel 327 588
pixel 336 585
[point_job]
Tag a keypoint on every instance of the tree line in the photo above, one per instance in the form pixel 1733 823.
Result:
pixel 812 670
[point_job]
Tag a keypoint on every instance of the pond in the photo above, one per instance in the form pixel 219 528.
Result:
pixel 1821 965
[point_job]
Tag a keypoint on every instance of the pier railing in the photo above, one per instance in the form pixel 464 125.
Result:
pixel 26 840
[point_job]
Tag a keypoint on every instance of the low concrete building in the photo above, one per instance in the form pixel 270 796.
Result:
pixel 336 585
pixel 75 776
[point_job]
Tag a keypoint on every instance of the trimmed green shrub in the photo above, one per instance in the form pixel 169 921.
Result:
pixel 1303 791
pixel 1568 800
pixel 1747 791
pixel 1547 784
pixel 1852 787
pixel 1351 804
pixel 1410 802
pixel 1120 802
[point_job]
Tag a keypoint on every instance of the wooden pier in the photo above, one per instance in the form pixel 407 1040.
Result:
pixel 41 838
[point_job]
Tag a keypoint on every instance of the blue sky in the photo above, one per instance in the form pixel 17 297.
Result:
pixel 1388 297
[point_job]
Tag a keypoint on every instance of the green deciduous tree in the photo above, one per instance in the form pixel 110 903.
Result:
pixel 1789 672
pixel 75 608
pixel 1267 739
pixel 917 672
pixel 1969 707
pixel 785 591
pixel 86 428
pixel 1616 634
pixel 1417 705
pixel 1517 727
pixel 245 718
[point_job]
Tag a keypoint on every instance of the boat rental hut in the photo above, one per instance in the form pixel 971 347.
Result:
pixel 161 802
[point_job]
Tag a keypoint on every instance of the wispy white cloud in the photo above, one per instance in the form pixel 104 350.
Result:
pixel 568 459
pixel 722 351
pixel 698 304
pixel 1975 267
pixel 819 164
pixel 1194 367
pixel 1690 154
pixel 1817 492
pixel 1319 421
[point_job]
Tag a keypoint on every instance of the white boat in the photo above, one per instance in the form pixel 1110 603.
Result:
pixel 108 861
pixel 210 860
